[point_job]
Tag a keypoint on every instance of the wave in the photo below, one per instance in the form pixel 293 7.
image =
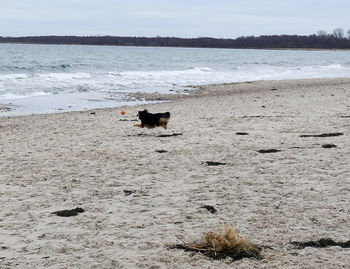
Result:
pixel 36 68
pixel 64 76
pixel 13 76
pixel 332 66
pixel 10 96
pixel 163 73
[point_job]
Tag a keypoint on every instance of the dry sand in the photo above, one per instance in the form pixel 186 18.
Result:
pixel 62 161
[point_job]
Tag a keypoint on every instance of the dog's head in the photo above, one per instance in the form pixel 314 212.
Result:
pixel 141 114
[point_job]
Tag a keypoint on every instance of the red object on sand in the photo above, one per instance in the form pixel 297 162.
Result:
pixel 122 112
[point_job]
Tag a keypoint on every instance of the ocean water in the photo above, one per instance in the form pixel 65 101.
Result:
pixel 56 78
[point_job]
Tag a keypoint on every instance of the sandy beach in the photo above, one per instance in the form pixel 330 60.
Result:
pixel 143 189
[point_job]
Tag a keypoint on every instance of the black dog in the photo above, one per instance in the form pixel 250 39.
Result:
pixel 150 120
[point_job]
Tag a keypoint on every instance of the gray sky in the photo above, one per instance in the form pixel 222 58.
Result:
pixel 182 18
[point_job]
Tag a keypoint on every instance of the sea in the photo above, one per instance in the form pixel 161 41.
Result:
pixel 59 78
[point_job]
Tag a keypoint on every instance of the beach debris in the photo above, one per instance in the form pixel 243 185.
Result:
pixel 124 120
pixel 122 112
pixel 345 116
pixel 210 163
pixel 161 151
pixel 321 243
pixel 93 113
pixel 128 192
pixel 210 208
pixel 323 135
pixel 268 150
pixel 69 213
pixel 168 135
pixel 241 133
pixel 273 89
pixel 161 135
pixel 328 146
pixel 222 245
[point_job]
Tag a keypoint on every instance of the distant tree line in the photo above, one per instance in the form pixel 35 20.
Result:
pixel 321 40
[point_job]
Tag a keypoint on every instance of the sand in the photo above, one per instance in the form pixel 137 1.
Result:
pixel 137 201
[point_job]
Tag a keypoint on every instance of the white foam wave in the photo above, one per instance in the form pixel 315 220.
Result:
pixel 10 96
pixel 332 66
pixel 13 76
pixel 64 76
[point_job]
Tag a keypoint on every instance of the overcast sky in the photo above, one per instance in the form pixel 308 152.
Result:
pixel 182 18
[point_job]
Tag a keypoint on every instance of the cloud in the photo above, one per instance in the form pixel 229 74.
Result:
pixel 191 18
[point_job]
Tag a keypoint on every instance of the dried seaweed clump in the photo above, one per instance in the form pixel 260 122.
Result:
pixel 226 244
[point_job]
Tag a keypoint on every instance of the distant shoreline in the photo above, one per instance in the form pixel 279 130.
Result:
pixel 310 42
pixel 107 45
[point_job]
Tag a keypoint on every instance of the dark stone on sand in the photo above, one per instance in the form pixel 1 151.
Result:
pixel 322 243
pixel 93 113
pixel 268 150
pixel 345 116
pixel 161 151
pixel 323 135
pixel 241 133
pixel 128 192
pixel 210 208
pixel 69 213
pixel 273 89
pixel 123 120
pixel 328 146
pixel 214 163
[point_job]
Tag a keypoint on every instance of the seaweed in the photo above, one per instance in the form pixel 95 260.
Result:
pixel 323 135
pixel 268 150
pixel 69 212
pixel 226 244
pixel 321 243
pixel 210 163
pixel 210 208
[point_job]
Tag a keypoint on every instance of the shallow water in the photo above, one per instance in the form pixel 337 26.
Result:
pixel 54 78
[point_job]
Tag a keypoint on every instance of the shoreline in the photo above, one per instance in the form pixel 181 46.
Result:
pixel 143 189
pixel 106 45
pixel 188 91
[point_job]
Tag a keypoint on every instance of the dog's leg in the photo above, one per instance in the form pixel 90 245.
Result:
pixel 138 125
